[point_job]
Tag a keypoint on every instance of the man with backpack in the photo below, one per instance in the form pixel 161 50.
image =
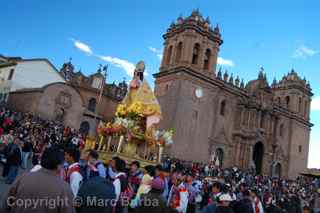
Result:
pixel 95 166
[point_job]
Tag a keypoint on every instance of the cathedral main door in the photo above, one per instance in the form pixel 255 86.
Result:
pixel 257 157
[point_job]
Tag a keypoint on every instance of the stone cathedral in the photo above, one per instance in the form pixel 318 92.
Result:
pixel 260 126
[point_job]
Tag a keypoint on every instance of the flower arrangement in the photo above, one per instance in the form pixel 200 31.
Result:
pixel 164 137
pixel 131 122
pixel 121 110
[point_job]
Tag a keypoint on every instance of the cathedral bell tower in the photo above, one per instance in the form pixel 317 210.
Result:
pixel 184 84
pixel 191 42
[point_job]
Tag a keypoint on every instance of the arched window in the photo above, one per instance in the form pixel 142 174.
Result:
pixel 281 129
pixel 222 108
pixel 169 53
pixel 92 105
pixel 179 52
pixel 207 59
pixel 195 53
pixel 288 101
pixel 300 103
pixel 279 100
pixel 300 149
pixel 219 157
pixel 84 128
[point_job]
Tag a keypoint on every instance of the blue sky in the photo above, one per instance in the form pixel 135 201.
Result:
pixel 277 35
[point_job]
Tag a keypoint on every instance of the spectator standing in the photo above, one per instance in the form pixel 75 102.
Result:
pixel 41 185
pixel 96 188
pixel 178 195
pixel 73 177
pixel 13 155
pixel 120 184
pixel 95 166
pixel 26 152
pixel 155 195
pixel 256 203
pixel 135 175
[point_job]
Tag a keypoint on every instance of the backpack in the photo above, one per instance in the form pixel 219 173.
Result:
pixel 93 171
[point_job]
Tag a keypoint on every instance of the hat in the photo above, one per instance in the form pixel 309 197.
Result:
pixel 225 197
pixel 157 183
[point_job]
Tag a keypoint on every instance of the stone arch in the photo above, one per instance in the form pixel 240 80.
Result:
pixel 168 55
pixel 84 128
pixel 223 104
pixel 195 53
pixel 92 104
pixel 277 170
pixel 257 156
pixel 207 57
pixel 287 101
pixel 179 51
pixel 219 156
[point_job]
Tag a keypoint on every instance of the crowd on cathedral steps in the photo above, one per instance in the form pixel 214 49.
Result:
pixel 67 178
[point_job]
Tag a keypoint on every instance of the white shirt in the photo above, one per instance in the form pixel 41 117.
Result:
pixel 75 180
pixel 259 206
pixel 117 185
pixel 182 208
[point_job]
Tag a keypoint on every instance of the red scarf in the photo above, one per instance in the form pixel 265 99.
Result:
pixel 256 206
pixel 71 170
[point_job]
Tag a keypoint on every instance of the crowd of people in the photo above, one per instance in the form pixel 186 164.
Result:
pixel 64 177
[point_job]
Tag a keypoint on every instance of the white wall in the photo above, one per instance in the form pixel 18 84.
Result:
pixel 34 74
pixel 4 83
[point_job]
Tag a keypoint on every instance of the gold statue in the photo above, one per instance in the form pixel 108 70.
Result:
pixel 140 91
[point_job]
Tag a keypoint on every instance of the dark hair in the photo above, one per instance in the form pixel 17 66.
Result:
pixel 136 163
pixel 51 158
pixel 159 167
pixel 94 154
pixel 120 164
pixel 217 185
pixel 73 152
pixel 246 193
pixel 151 170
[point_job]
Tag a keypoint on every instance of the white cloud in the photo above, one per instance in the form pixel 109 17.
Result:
pixel 82 46
pixel 304 52
pixel 315 104
pixel 225 62
pixel 156 51
pixel 123 64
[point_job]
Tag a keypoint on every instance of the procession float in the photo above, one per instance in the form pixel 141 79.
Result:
pixel 133 133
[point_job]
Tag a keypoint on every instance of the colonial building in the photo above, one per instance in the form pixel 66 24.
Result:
pixel 17 73
pixel 219 118
pixel 99 98
pixel 71 97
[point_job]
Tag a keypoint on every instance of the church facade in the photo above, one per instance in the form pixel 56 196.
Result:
pixel 218 117
pixel 77 100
